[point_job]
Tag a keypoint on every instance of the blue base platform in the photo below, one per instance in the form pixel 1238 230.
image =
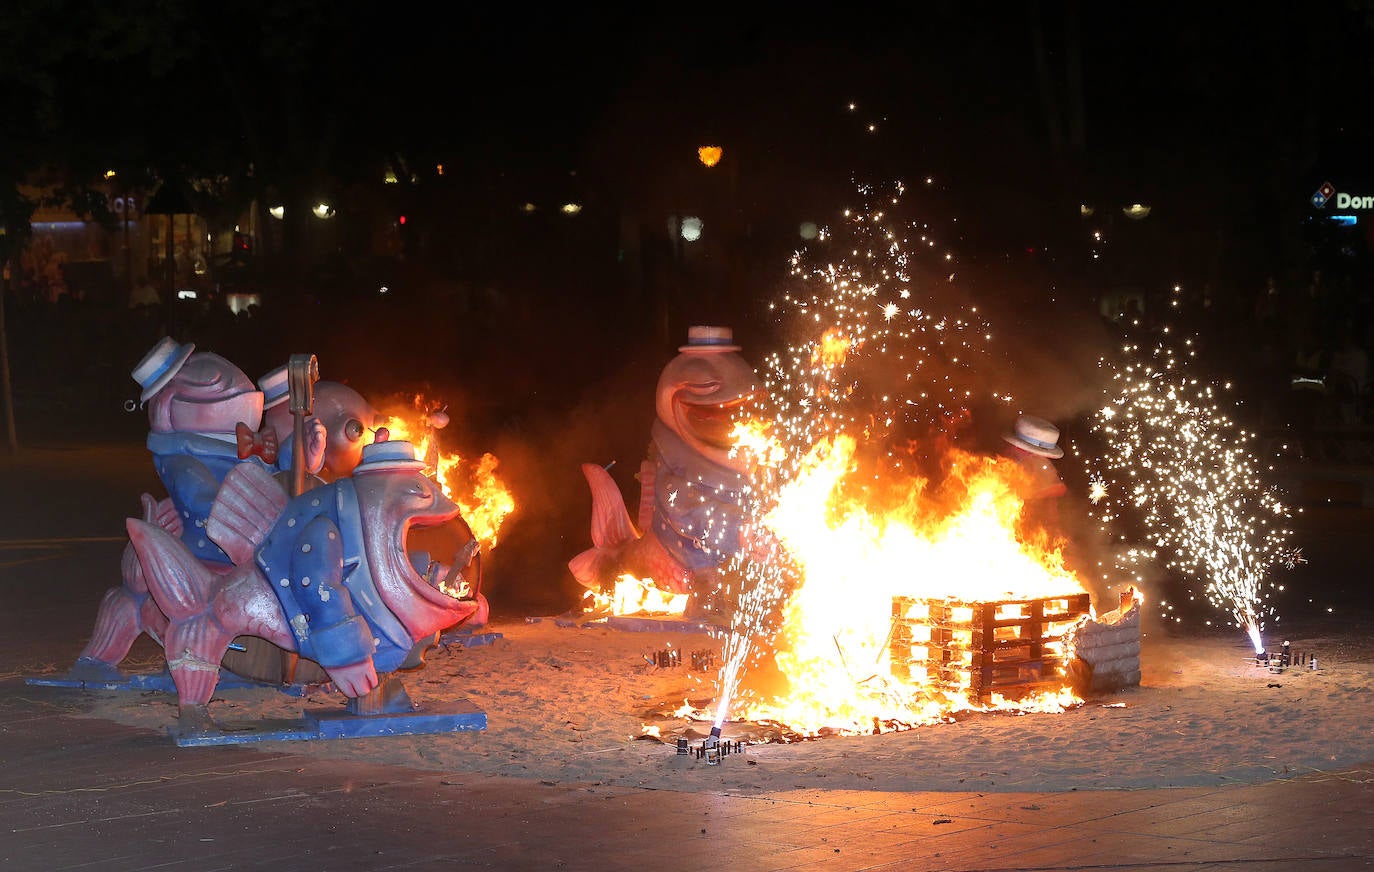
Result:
pixel 645 624
pixel 468 638
pixel 454 717
pixel 162 681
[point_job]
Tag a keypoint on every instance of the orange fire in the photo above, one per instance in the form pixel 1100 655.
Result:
pixel 861 544
pixel 832 349
pixel 636 596
pixel 484 499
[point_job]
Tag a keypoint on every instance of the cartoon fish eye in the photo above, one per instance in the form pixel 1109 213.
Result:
pixel 421 491
pixel 353 429
pixel 703 388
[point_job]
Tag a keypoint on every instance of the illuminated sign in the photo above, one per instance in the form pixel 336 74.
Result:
pixel 1327 192
pixel 1346 201
pixel 1324 193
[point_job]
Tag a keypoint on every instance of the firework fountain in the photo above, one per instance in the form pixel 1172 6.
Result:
pixel 1175 462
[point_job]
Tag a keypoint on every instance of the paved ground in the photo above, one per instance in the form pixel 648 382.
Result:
pixel 80 793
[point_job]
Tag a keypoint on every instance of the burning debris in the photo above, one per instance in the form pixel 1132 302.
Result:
pixel 1008 648
pixel 634 596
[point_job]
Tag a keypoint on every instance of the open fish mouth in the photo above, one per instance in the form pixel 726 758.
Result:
pixel 713 424
pixel 428 547
pixel 453 579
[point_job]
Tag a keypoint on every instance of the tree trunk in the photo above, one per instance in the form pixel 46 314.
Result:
pixel 6 394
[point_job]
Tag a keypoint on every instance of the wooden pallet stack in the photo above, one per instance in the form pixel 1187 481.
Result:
pixel 1009 647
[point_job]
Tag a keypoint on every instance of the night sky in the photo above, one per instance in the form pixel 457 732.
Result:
pixel 1221 117
pixel 1214 113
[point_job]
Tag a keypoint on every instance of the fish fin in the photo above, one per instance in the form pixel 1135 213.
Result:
pixel 179 583
pixel 248 503
pixel 592 567
pixel 162 513
pixel 611 524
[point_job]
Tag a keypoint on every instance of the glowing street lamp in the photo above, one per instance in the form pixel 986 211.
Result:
pixel 710 155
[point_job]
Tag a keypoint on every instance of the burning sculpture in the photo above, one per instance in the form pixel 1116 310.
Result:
pixel 204 419
pixel 325 575
pixel 692 485
pixel 302 575
pixel 892 578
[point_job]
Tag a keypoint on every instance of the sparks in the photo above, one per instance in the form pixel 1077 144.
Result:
pixel 1181 468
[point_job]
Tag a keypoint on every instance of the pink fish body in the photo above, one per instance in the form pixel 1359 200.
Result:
pixel 693 487
pixel 208 394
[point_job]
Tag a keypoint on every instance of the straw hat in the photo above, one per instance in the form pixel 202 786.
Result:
pixel 1035 435
pixel 701 338
pixel 160 365
pixel 275 387
pixel 388 455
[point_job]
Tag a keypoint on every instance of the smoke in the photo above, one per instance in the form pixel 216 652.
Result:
pixel 1046 346
pixel 541 455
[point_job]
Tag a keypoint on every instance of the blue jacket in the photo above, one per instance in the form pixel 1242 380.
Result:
pixel 698 504
pixel 192 466
pixel 315 561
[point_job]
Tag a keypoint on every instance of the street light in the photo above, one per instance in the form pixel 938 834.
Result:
pixel 710 155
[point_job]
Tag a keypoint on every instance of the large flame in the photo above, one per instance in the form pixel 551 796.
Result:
pixel 483 497
pixel 869 539
pixel 857 552
pixel 636 596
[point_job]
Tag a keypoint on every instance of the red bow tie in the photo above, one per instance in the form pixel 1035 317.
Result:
pixel 263 443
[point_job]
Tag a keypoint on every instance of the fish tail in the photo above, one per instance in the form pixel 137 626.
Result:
pixel 611 524
pixel 194 648
pixel 180 583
